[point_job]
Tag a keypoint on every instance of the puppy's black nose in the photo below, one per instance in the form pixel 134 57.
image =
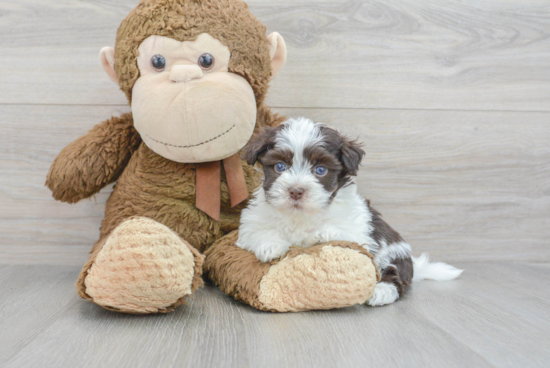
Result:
pixel 296 193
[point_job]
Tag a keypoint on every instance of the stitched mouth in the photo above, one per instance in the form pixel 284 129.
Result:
pixel 191 145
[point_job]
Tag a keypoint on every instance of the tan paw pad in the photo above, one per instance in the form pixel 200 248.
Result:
pixel 335 277
pixel 144 267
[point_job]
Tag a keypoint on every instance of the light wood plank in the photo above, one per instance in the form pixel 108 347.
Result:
pixel 500 312
pixel 444 54
pixel 466 186
pixel 32 298
pixel 485 319
pixel 32 224
pixel 462 185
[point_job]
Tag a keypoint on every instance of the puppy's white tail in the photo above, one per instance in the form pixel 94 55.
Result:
pixel 424 270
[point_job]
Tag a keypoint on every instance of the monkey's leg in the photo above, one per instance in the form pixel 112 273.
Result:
pixel 325 276
pixel 141 267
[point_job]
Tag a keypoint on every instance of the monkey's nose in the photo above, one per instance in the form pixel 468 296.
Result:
pixel 185 73
pixel 296 193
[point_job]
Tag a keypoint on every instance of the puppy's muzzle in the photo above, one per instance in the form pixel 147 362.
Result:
pixel 296 193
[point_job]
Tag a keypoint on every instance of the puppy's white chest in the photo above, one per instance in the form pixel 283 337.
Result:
pixel 305 234
pixel 326 235
pixel 330 233
pixel 325 228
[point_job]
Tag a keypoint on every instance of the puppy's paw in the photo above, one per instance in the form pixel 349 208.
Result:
pixel 384 293
pixel 271 250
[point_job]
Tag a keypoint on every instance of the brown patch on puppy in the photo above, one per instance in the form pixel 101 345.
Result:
pixel 399 273
pixel 352 154
pixel 259 144
pixel 269 160
pixel 348 151
pixel 381 230
pixel 317 155
pixel 261 147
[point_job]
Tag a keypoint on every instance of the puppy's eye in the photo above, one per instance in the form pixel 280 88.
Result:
pixel 280 167
pixel 321 170
pixel 206 61
pixel 158 62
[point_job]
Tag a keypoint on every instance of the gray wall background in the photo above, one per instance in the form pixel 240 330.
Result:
pixel 452 100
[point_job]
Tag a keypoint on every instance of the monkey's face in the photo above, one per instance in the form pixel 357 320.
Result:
pixel 186 105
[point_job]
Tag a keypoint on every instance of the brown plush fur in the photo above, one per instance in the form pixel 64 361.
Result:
pixel 239 273
pixel 229 21
pixel 148 184
pixel 94 160
pixel 236 271
pixel 154 187
pixel 123 269
pixel 164 190
pixel 197 283
pixel 324 276
pixel 296 251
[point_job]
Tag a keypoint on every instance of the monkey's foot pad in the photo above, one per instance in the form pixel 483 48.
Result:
pixel 325 276
pixel 143 267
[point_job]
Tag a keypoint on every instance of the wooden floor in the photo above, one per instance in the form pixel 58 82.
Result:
pixel 496 315
pixel 452 100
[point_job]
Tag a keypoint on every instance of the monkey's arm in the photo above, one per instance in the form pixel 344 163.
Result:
pixel 93 160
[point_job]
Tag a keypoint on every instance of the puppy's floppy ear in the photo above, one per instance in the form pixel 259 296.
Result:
pixel 348 151
pixel 352 154
pixel 259 144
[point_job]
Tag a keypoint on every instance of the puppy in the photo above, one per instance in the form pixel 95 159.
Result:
pixel 308 196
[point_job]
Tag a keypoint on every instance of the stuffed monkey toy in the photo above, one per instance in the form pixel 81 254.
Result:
pixel 195 73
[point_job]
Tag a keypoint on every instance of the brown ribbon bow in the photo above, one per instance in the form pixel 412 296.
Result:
pixel 209 187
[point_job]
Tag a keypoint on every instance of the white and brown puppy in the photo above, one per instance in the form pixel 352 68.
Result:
pixel 309 197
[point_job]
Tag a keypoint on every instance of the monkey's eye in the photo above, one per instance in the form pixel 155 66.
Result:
pixel 206 61
pixel 321 170
pixel 158 62
pixel 280 167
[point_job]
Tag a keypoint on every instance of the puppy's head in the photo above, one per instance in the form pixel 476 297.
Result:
pixel 305 163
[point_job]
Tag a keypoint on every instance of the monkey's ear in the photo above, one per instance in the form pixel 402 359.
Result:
pixel 277 52
pixel 107 59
